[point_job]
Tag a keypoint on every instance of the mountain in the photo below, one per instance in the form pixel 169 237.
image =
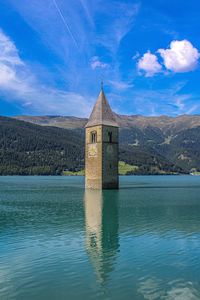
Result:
pixel 171 140
pixel 51 144
pixel 165 123
pixel 55 121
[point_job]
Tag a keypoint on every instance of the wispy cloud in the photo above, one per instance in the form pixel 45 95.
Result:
pixel 171 101
pixel 18 83
pixel 87 7
pixel 120 85
pixel 118 19
pixel 136 55
pixel 93 39
pixel 65 22
pixel 192 109
pixel 97 63
pixel 97 27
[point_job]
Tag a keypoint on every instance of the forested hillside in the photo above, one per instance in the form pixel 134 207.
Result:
pixel 29 149
pixel 160 145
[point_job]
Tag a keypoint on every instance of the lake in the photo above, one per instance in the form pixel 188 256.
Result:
pixel 58 241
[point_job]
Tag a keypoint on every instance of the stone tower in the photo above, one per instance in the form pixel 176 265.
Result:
pixel 101 147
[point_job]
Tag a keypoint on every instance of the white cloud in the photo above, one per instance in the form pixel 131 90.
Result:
pixel 149 64
pixel 182 56
pixel 17 83
pixel 97 63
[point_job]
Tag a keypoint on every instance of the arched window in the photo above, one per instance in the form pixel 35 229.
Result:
pixel 93 137
pixel 110 137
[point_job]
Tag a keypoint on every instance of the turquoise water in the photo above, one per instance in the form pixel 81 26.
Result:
pixel 59 242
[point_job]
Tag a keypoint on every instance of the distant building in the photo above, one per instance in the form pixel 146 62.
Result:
pixel 101 147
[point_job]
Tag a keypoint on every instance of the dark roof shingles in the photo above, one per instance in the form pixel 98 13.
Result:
pixel 101 113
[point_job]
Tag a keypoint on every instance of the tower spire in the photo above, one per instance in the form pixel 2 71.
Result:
pixel 102 85
pixel 102 113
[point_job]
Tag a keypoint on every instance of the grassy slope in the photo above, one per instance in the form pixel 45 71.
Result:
pixel 124 169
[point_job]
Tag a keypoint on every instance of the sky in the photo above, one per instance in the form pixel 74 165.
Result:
pixel 55 53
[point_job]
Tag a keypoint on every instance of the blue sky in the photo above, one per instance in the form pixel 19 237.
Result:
pixel 54 54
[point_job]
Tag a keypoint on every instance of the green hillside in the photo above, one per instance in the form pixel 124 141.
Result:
pixel 159 148
pixel 28 149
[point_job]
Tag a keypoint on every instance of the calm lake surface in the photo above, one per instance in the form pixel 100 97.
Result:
pixel 140 242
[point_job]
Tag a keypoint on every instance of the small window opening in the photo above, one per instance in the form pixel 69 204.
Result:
pixel 93 137
pixel 110 137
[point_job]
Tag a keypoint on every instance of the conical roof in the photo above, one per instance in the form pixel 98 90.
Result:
pixel 102 113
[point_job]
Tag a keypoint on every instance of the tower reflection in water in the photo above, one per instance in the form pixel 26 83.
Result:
pixel 102 240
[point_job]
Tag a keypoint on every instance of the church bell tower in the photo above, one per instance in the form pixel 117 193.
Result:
pixel 101 147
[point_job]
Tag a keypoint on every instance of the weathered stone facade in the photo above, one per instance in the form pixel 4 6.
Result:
pixel 101 148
